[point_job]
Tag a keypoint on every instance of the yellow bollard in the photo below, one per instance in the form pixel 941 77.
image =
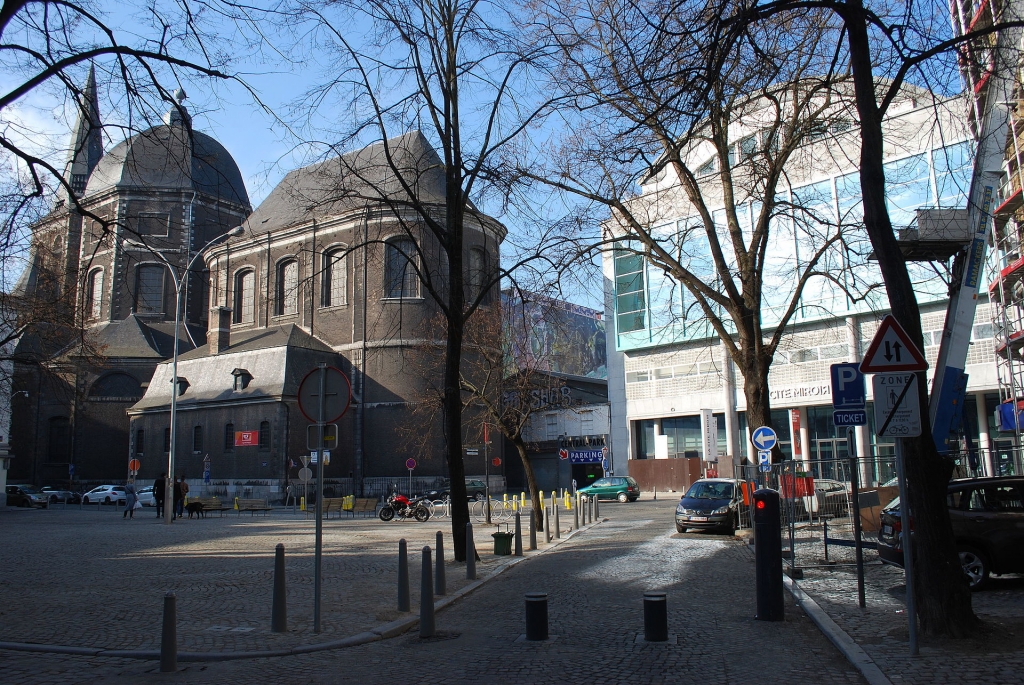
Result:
pixel 565 498
pixel 302 506
pixel 515 503
pixel 236 504
pixel 522 496
pixel 505 498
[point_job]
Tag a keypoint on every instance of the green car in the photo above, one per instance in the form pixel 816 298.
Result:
pixel 622 488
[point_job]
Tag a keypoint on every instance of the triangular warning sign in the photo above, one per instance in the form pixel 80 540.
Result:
pixel 892 350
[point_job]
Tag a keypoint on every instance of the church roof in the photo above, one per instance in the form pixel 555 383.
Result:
pixel 275 359
pixel 170 157
pixel 352 181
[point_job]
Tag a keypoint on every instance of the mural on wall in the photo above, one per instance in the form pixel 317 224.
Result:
pixel 557 337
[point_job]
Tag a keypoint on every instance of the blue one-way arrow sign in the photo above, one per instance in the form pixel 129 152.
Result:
pixel 764 438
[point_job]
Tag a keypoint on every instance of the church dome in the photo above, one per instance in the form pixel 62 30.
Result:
pixel 172 156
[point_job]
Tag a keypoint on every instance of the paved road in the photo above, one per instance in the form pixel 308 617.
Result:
pixel 595 583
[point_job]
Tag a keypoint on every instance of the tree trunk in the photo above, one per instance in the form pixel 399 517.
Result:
pixel 451 408
pixel 536 518
pixel 759 407
pixel 943 597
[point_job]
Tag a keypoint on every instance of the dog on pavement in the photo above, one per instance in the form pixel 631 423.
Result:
pixel 195 508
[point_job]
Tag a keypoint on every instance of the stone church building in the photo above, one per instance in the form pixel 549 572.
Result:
pixel 335 266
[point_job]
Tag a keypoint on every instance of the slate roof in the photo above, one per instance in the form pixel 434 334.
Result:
pixel 277 358
pixel 166 157
pixel 342 184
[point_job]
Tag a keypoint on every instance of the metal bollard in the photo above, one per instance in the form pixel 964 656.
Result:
pixel 597 508
pixel 470 553
pixel 440 584
pixel 655 617
pixel 426 598
pixel 169 636
pixel 519 535
pixel 533 530
pixel 279 611
pixel 558 528
pixel 576 514
pixel 536 616
pixel 404 603
pixel 655 493
pixel 768 556
pixel 547 525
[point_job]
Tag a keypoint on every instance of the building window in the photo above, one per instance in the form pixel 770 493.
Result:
pixel 245 293
pixel 287 287
pixel 197 439
pixel 167 439
pixel 229 437
pixel 59 433
pixel 551 426
pixel 151 225
pixel 94 294
pixel 149 289
pixel 264 435
pixel 587 423
pixel 334 285
pixel 140 442
pixel 630 300
pixel 401 263
pixel 477 272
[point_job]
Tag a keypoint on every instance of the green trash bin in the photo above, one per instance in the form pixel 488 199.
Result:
pixel 502 543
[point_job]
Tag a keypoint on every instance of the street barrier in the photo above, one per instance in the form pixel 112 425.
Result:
pixel 279 611
pixel 169 636
pixel 536 616
pixel 404 603
pixel 655 617
pixel 426 598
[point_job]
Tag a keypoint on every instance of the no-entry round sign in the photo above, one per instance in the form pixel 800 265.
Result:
pixel 410 464
pixel 496 461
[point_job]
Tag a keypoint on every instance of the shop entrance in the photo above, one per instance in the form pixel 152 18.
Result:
pixel 829 453
pixel 585 474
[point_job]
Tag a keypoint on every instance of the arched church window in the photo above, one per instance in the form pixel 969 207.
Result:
pixel 334 286
pixel 149 289
pixel 94 294
pixel 400 269
pixel 245 292
pixel 287 287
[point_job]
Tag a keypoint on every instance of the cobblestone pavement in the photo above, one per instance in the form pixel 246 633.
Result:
pixel 995 656
pixel 595 583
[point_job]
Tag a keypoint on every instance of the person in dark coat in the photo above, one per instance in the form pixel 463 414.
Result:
pixel 178 503
pixel 159 490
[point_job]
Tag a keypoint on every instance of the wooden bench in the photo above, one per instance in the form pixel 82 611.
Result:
pixel 210 504
pixel 361 505
pixel 334 504
pixel 252 506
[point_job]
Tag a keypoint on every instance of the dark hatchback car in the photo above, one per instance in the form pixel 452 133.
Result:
pixel 24 496
pixel 710 503
pixel 988 523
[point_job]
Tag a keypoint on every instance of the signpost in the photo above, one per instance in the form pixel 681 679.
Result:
pixel 764 461
pixel 326 393
pixel 764 438
pixel 410 464
pixel 849 399
pixel 896 361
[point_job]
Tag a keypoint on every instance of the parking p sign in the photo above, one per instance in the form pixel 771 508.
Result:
pixel 848 395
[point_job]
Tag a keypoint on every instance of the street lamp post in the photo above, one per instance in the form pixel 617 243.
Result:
pixel 178 283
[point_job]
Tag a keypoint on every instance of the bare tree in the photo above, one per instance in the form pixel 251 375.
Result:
pixel 671 123
pixel 453 70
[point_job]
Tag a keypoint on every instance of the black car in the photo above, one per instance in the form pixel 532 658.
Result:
pixel 710 503
pixel 988 523
pixel 474 490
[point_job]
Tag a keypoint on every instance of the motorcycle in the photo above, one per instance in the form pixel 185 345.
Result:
pixel 403 507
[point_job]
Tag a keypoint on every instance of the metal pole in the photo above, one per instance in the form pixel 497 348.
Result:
pixel 533 529
pixel 318 556
pixel 855 494
pixel 169 636
pixel 426 597
pixel 403 576
pixel 655 617
pixel 470 553
pixel 536 616
pixel 169 484
pixel 278 610
pixel 487 482
pixel 519 535
pixel 440 582
pixel 908 557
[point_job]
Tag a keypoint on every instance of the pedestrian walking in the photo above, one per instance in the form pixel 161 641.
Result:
pixel 130 497
pixel 178 505
pixel 159 490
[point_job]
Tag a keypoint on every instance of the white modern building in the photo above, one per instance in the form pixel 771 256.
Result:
pixel 667 366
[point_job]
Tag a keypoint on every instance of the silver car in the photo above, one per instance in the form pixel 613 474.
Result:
pixel 145 496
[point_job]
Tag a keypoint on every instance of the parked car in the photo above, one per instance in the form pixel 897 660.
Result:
pixel 622 488
pixel 25 496
pixel 105 494
pixel 710 503
pixel 145 496
pixel 55 494
pixel 833 497
pixel 475 489
pixel 988 525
